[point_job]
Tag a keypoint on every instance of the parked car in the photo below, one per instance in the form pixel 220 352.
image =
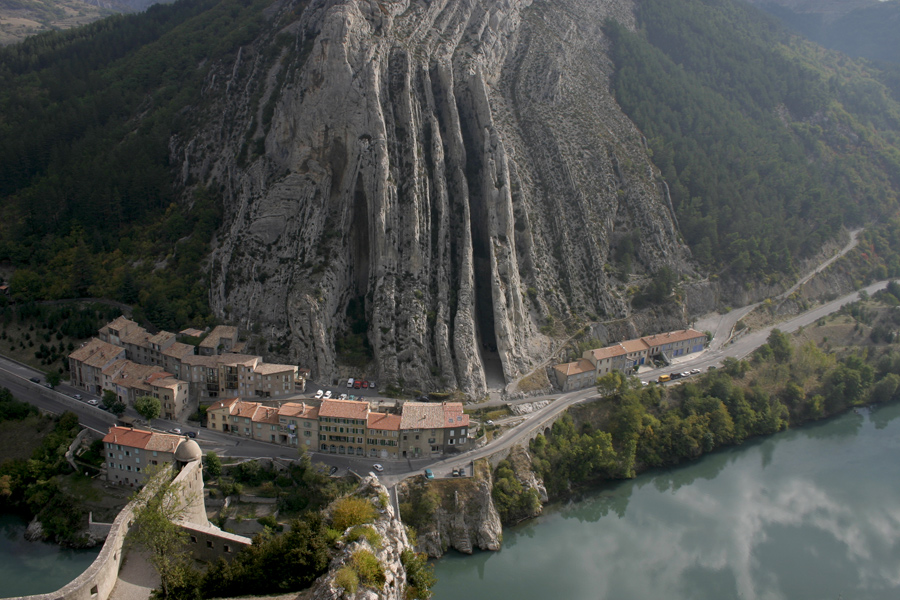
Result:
pixel 332 470
pixel 488 422
pixel 686 374
pixel 350 383
pixel 35 380
pixel 77 396
pixel 695 371
pixel 429 474
pixel 93 402
pixel 319 395
pixel 365 384
pixel 357 384
pixel 455 472
pixel 192 434
pixel 176 431
pixel 328 394
pixel 342 397
pixel 674 375
pixel 372 385
pixel 711 368
pixel 378 467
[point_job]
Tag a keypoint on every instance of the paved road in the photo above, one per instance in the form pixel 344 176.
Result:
pixel 16 377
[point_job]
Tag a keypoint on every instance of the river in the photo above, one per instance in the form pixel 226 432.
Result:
pixel 36 567
pixel 811 513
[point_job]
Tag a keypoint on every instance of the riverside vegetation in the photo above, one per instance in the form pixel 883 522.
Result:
pixel 785 383
pixel 34 469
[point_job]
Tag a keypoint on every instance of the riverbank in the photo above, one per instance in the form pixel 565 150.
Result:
pixel 805 514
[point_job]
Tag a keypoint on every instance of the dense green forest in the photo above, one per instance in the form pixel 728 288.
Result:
pixel 870 31
pixel 87 202
pixel 768 144
pixel 846 360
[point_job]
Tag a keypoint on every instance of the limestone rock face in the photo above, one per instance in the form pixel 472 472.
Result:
pixel 444 178
pixel 393 542
pixel 464 519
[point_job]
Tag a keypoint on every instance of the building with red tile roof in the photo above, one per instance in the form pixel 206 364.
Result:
pixel 130 452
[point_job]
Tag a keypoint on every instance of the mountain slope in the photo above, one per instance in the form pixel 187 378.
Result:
pixel 433 193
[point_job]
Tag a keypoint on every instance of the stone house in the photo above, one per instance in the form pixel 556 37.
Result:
pixel 383 435
pixel 675 343
pixel 636 354
pixel 342 426
pixel 606 360
pixel 575 375
pixel 129 452
pixel 430 429
pixel 86 364
pixel 221 340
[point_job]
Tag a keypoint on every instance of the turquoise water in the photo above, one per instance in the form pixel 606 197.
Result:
pixel 810 514
pixel 36 567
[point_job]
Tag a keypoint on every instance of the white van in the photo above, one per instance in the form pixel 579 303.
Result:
pixel 350 383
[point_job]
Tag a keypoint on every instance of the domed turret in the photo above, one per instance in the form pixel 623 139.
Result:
pixel 188 451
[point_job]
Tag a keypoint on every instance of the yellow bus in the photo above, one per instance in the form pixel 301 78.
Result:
pixel 664 378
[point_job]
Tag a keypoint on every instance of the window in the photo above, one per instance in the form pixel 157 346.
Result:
pixel 193 539
pixel 209 544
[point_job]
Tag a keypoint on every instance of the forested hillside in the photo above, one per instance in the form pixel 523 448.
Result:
pixel 86 188
pixel 768 145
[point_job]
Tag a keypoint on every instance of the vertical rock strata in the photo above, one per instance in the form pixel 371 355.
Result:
pixel 456 170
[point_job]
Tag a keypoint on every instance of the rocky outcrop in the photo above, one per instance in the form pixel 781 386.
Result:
pixel 464 517
pixel 436 183
pixel 393 541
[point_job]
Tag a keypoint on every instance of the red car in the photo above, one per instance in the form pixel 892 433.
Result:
pixel 365 384
pixel 357 384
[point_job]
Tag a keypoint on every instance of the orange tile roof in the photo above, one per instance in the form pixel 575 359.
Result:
pixel 673 336
pixel 638 345
pixel 384 421
pixel 216 335
pixel 223 403
pixel 431 415
pixel 300 410
pixel 578 367
pixel 454 415
pixel 271 368
pixel 113 369
pixel 178 350
pixel 138 337
pixel 119 323
pixel 97 353
pixel 161 337
pixel 344 409
pixel 265 414
pixel 145 440
pixel 608 352
pixel 244 409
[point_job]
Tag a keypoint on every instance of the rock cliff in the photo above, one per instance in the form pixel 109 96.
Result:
pixel 392 541
pixel 427 186
pixel 456 514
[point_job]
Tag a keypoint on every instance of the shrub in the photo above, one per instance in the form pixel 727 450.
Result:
pixel 367 532
pixel 368 568
pixel 419 574
pixel 352 511
pixel 346 578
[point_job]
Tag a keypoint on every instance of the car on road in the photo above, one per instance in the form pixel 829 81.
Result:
pixel 34 380
pixel 711 368
pixel 455 472
pixel 378 467
pixel 176 431
pixel 695 371
pixel 328 394
pixel 93 402
pixel 77 396
pixel 674 375
pixel 192 434
pixel 686 374
pixel 332 470
pixel 319 395
pixel 429 474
